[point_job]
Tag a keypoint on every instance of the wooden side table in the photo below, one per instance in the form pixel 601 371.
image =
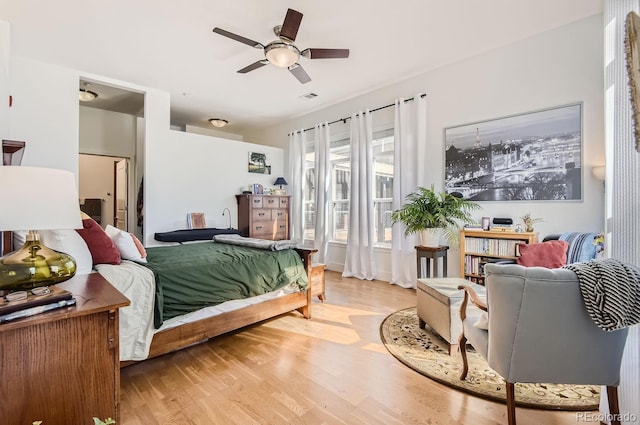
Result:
pixel 63 366
pixel 431 253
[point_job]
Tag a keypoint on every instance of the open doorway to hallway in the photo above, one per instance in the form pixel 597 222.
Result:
pixel 103 189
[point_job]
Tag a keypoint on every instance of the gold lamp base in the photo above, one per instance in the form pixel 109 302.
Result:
pixel 34 265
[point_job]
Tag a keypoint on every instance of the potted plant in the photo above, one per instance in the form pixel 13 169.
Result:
pixel 529 221
pixel 429 212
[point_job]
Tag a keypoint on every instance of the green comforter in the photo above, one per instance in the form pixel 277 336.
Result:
pixel 192 276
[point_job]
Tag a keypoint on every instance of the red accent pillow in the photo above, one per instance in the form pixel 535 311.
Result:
pixel 550 254
pixel 102 248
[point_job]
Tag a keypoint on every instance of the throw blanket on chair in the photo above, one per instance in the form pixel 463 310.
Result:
pixel 611 292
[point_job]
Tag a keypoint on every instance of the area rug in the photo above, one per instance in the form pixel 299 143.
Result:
pixel 427 353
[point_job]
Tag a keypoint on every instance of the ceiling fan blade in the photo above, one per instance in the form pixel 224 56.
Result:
pixel 299 73
pixel 239 38
pixel 291 24
pixel 325 53
pixel 255 65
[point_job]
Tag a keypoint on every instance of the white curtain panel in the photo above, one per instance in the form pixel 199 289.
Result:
pixel 359 260
pixel 323 191
pixel 296 180
pixel 409 153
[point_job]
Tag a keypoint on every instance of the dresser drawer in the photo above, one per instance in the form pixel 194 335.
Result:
pixel 271 202
pixel 256 202
pixel 279 214
pixel 262 228
pixel 260 214
pixel 282 227
pixel 284 202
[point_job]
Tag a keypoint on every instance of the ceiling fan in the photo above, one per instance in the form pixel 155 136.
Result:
pixel 283 52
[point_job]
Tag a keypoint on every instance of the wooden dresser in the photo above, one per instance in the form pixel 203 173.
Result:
pixel 63 366
pixel 263 216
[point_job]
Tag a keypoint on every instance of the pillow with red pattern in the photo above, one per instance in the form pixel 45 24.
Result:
pixel 550 254
pixel 102 248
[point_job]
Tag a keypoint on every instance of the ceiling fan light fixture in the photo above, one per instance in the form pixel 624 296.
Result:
pixel 86 95
pixel 282 55
pixel 218 122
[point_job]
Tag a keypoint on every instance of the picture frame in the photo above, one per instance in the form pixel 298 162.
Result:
pixel 632 59
pixel 259 163
pixel 533 156
pixel 196 220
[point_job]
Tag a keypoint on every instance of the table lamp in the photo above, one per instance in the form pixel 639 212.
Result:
pixel 280 181
pixel 37 199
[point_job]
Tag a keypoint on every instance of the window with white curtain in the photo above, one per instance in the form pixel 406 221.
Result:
pixel 383 149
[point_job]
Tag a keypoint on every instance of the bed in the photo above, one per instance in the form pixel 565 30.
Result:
pixel 139 338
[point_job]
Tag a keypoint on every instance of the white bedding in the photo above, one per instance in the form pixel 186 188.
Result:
pixel 137 283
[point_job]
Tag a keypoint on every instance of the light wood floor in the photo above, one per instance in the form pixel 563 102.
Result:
pixel 331 369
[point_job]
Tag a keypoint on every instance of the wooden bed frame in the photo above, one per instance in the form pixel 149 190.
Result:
pixel 192 333
pixel 188 334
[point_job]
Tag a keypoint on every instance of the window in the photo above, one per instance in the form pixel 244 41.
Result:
pixel 383 149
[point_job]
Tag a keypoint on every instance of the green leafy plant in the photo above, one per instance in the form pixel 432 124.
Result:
pixel 428 209
pixel 529 221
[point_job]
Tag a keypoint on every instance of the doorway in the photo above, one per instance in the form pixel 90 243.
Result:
pixel 111 143
pixel 103 189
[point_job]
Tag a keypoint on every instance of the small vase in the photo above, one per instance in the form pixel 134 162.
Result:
pixel 528 229
pixel 430 237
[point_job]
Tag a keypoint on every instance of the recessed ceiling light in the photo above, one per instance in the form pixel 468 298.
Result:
pixel 218 122
pixel 86 95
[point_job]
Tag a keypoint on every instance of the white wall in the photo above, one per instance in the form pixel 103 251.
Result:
pixel 213 132
pixel 194 173
pixel 45 113
pixel 5 54
pixel 556 68
pixel 107 133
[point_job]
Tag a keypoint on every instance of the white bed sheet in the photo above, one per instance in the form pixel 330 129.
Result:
pixel 137 283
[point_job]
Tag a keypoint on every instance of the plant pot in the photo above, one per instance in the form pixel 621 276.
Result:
pixel 431 237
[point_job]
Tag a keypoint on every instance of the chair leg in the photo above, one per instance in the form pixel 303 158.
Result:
pixel 463 350
pixel 511 403
pixel 614 407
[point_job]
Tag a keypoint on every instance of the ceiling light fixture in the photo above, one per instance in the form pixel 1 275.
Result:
pixel 218 122
pixel 86 95
pixel 281 54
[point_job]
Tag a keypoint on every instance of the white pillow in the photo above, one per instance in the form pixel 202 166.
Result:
pixel 483 321
pixel 125 244
pixel 67 241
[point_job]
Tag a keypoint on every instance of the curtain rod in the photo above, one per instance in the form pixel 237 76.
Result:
pixel 344 120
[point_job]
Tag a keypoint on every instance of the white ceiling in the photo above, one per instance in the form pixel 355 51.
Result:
pixel 169 45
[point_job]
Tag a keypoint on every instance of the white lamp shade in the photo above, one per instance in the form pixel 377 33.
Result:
pixel 38 199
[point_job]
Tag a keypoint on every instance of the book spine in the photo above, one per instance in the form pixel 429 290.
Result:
pixel 36 310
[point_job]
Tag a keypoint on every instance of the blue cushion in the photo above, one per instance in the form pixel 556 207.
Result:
pixel 582 246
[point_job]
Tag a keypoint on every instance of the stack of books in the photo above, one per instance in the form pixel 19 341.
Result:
pixel 34 304
pixel 502 228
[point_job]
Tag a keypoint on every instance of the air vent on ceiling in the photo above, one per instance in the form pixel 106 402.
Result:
pixel 308 96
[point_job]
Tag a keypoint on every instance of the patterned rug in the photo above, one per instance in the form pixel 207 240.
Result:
pixel 427 353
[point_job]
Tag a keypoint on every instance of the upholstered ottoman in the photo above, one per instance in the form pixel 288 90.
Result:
pixel 439 302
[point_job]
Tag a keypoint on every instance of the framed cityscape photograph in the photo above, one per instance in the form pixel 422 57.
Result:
pixel 536 156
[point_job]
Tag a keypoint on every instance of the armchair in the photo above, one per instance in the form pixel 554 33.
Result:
pixel 540 332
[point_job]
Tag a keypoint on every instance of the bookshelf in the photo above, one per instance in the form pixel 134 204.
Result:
pixel 479 247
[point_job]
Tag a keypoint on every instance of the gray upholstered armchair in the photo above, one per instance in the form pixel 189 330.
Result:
pixel 540 332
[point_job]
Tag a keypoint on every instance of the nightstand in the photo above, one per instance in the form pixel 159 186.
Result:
pixel 63 366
